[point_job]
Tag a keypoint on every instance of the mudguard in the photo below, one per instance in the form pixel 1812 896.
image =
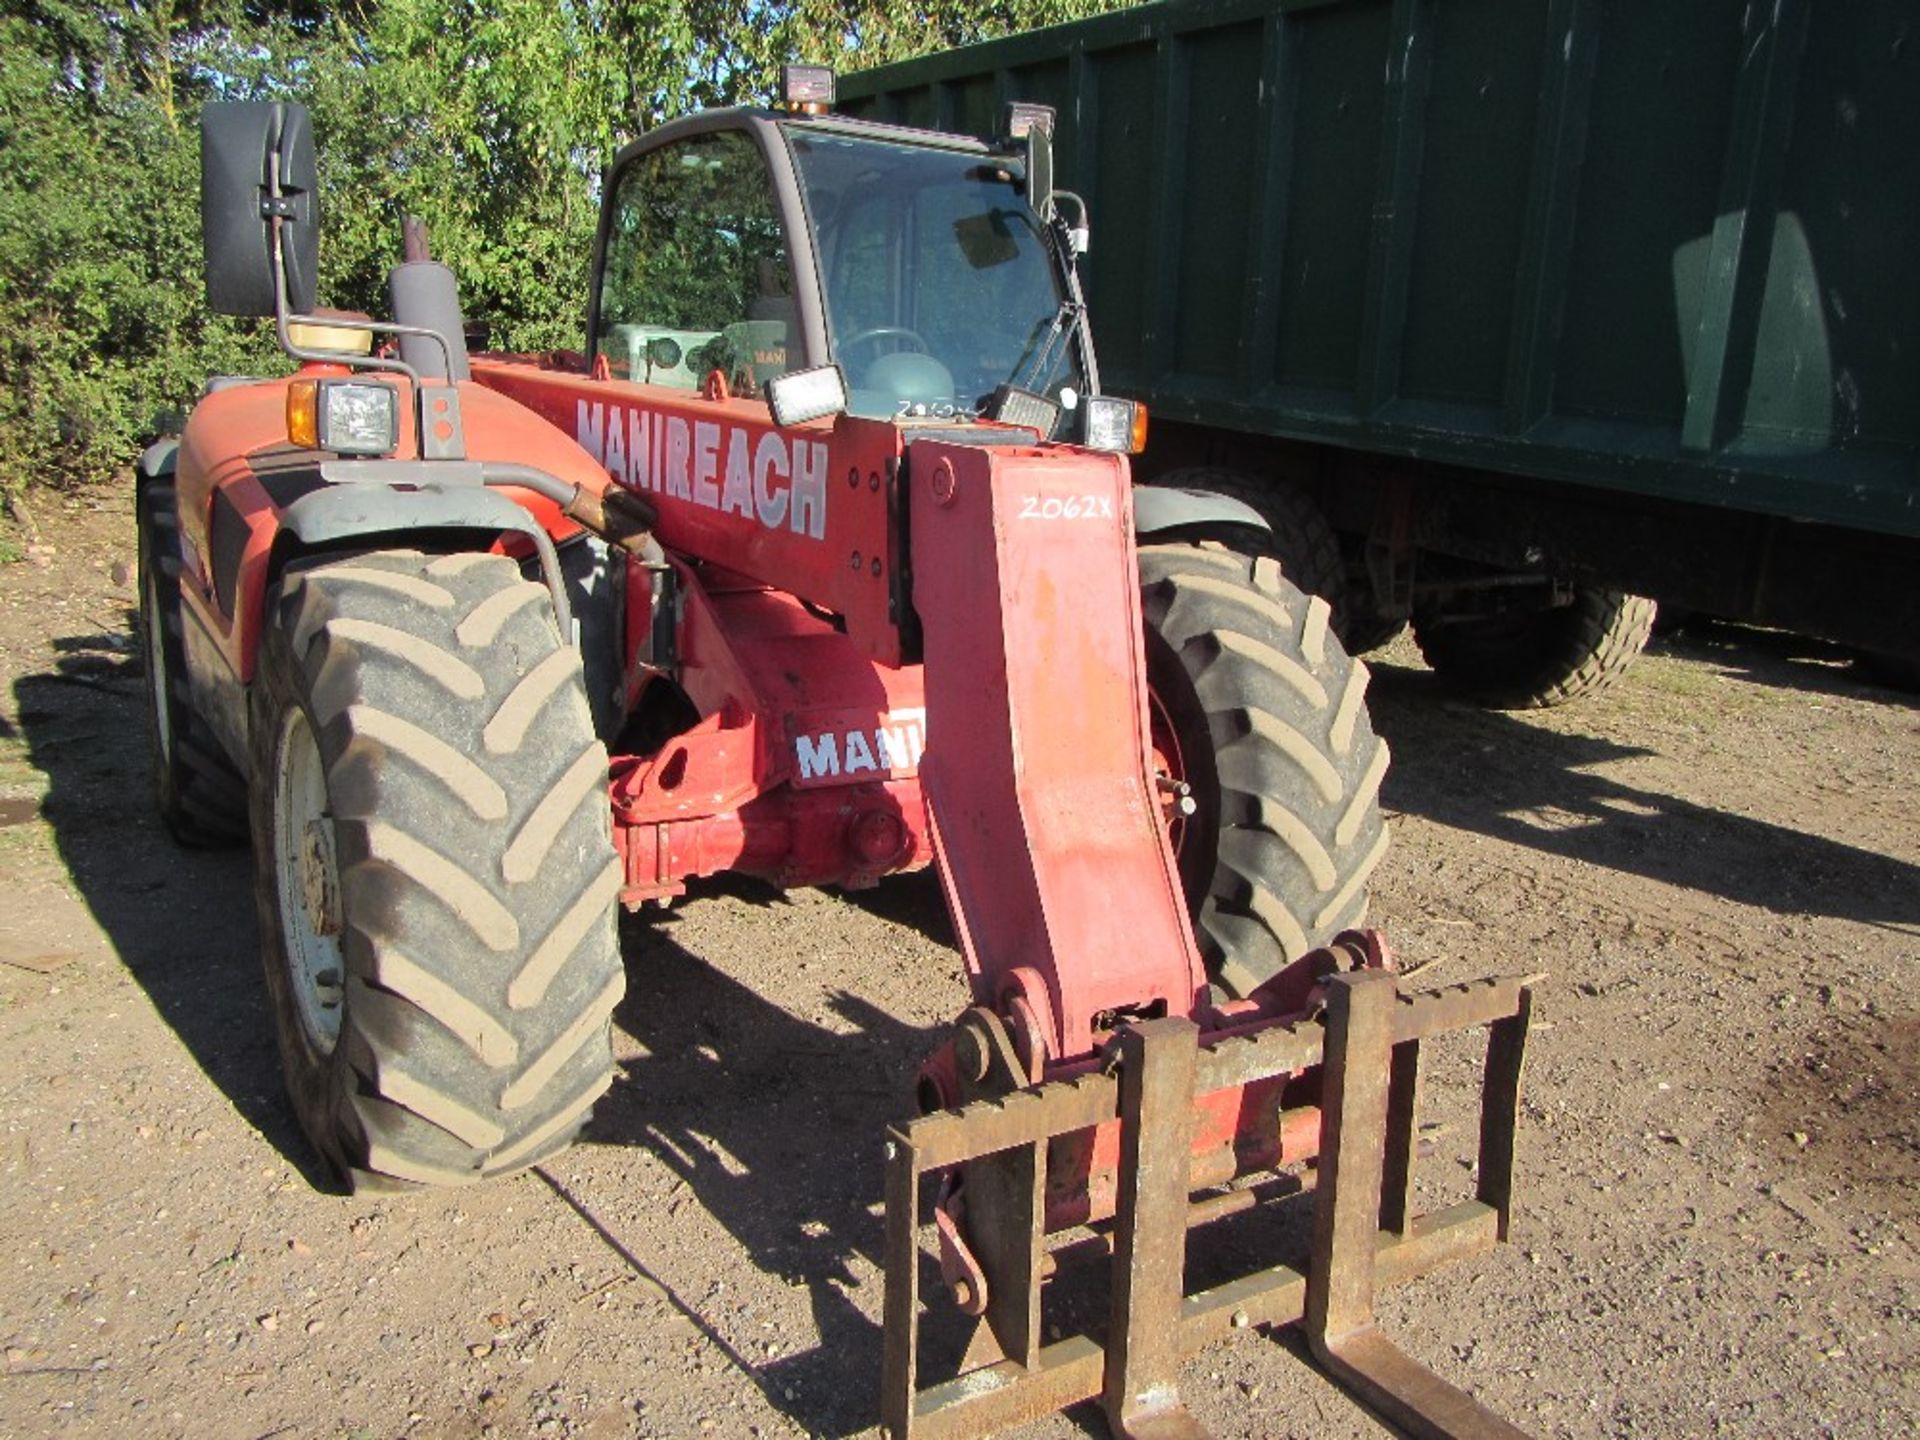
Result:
pixel 365 508
pixel 158 459
pixel 356 506
pixel 1159 508
pixel 341 512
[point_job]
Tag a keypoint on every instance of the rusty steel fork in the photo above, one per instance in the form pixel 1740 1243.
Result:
pixel 1365 1233
pixel 1140 1388
pixel 1355 1147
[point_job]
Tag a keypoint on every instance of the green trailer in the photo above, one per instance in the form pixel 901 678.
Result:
pixel 1508 312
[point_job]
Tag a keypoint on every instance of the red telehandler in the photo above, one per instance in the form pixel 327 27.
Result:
pixel 820 563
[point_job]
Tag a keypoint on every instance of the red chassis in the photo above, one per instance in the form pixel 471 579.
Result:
pixel 877 624
pixel 807 766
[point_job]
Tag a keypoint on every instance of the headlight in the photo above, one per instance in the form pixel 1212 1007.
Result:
pixel 1112 424
pixel 345 417
pixel 1013 406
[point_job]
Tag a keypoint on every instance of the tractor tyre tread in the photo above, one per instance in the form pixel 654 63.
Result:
pixel 1291 770
pixel 477 874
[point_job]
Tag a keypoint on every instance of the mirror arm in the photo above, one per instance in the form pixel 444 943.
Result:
pixel 276 210
pixel 1068 259
pixel 1067 241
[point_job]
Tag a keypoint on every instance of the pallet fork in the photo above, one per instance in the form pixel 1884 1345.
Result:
pixel 1366 1233
pixel 1095 1077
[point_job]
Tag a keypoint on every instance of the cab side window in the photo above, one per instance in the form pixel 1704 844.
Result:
pixel 696 277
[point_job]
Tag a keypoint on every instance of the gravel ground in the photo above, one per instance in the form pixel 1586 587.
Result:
pixel 1717 863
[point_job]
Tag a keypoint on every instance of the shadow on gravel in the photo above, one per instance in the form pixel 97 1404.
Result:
pixel 1782 660
pixel 1493 773
pixel 181 921
pixel 913 901
pixel 776 1124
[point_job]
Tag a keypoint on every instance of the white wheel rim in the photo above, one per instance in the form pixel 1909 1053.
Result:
pixel 159 682
pixel 307 878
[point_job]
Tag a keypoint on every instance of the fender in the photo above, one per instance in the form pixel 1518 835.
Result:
pixel 1159 508
pixel 157 461
pixel 351 508
pixel 352 505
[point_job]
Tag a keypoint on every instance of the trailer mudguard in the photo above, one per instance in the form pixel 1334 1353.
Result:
pixel 1159 508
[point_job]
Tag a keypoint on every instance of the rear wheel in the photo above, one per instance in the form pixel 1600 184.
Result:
pixel 1532 659
pixel 196 789
pixel 1258 710
pixel 434 872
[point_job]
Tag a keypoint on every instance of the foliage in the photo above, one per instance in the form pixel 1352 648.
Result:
pixel 486 121
pixel 101 325
pixel 860 36
pixel 490 119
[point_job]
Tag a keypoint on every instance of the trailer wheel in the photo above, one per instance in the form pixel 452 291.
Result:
pixel 1366 633
pixel 196 789
pixel 1301 540
pixel 1257 708
pixel 434 871
pixel 1528 660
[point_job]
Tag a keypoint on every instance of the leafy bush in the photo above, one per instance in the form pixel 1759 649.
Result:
pixel 102 325
pixel 490 119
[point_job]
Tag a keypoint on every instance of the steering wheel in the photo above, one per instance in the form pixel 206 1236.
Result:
pixel 884 332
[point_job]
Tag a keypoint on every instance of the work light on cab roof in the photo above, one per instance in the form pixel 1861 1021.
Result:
pixel 807 89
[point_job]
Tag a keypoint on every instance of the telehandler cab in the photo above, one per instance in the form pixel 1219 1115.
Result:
pixel 820 563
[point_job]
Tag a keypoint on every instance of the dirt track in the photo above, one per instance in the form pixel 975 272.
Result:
pixel 1719 864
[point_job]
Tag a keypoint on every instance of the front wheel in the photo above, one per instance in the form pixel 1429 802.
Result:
pixel 434 871
pixel 1261 714
pixel 1299 538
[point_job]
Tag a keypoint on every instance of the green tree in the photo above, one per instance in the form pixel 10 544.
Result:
pixel 487 121
pixel 102 327
pixel 491 119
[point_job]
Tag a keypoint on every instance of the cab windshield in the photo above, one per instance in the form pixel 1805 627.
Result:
pixel 939 288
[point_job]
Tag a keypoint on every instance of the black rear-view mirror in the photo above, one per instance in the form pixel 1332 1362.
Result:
pixel 257 167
